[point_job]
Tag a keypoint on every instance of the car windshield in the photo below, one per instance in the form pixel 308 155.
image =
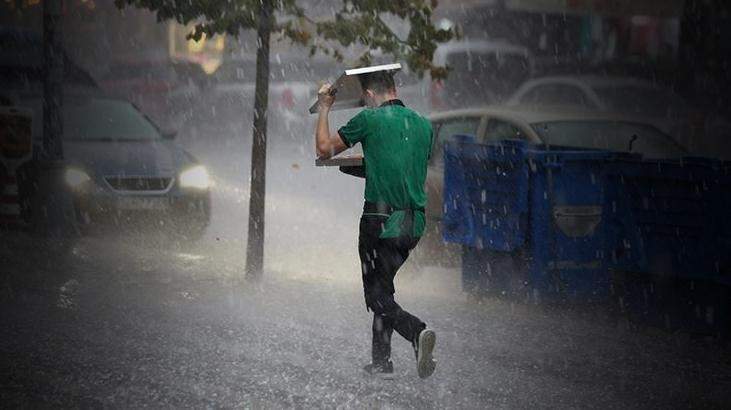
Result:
pixel 105 119
pixel 654 102
pixel 609 135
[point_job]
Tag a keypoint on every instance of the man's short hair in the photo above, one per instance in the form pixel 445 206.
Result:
pixel 379 82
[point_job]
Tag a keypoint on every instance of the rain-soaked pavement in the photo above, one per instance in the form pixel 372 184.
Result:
pixel 132 321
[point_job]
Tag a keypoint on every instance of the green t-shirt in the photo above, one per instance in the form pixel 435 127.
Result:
pixel 396 148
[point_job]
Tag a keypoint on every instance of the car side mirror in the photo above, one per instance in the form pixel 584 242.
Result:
pixel 169 134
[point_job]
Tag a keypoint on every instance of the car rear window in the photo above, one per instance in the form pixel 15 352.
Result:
pixel 445 129
pixel 609 135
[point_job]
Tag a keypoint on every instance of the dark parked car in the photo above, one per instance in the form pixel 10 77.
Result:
pixel 122 169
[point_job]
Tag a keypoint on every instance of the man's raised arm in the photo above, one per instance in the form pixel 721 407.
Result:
pixel 326 144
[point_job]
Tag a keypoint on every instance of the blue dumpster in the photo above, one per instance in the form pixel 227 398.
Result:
pixel 542 207
pixel 486 209
pixel 669 241
pixel 587 225
pixel 666 213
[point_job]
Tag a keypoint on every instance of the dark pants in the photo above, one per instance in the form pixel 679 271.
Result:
pixel 380 260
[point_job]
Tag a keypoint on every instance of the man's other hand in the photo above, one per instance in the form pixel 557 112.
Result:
pixel 324 96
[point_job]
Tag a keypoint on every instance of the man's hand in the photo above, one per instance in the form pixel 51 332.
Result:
pixel 325 97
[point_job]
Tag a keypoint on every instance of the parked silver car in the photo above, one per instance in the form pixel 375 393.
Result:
pixel 559 127
pixel 625 95
pixel 481 72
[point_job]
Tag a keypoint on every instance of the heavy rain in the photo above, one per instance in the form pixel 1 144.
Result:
pixel 191 218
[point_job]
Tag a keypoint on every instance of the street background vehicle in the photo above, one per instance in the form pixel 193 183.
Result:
pixel 122 170
pixel 624 95
pixel 481 72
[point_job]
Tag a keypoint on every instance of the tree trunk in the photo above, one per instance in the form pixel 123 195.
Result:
pixel 255 242
pixel 52 81
pixel 52 210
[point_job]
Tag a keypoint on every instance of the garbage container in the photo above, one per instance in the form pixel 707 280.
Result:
pixel 547 205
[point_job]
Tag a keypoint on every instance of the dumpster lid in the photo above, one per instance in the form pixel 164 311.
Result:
pixel 348 89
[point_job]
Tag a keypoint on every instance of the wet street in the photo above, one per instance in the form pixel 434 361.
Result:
pixel 180 331
pixel 131 320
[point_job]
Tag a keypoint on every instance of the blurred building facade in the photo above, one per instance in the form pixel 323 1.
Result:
pixel 98 34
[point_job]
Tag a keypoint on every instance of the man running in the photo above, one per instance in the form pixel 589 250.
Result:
pixel 396 145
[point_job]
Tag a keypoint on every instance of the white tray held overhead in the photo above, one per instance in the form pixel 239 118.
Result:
pixel 347 87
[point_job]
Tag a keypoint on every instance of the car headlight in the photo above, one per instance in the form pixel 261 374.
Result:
pixel 196 177
pixel 76 177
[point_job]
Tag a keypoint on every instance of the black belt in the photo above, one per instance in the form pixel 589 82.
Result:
pixel 382 208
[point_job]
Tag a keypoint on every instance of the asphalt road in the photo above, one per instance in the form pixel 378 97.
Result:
pixel 133 328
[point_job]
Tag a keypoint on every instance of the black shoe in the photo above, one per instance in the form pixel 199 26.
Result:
pixel 379 369
pixel 424 347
